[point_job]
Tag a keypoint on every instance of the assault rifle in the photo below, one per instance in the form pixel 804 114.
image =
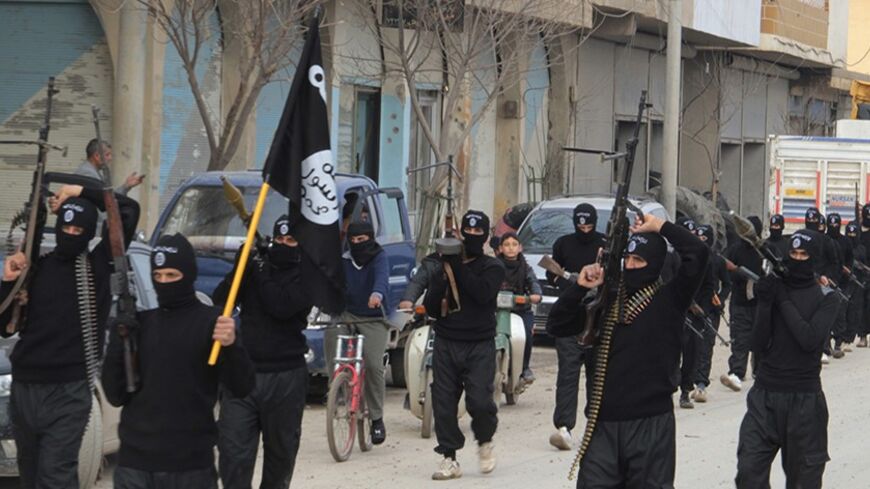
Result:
pixel 120 282
pixel 36 214
pixel 617 237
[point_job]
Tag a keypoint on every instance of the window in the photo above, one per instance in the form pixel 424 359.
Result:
pixel 366 132
pixel 421 153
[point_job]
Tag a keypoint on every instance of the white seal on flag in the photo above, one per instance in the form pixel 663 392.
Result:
pixel 319 196
pixel 632 245
pixel 159 259
pixel 68 215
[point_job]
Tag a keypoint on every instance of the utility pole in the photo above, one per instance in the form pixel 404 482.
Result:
pixel 671 146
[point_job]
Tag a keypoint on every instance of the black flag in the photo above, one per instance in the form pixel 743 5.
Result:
pixel 301 167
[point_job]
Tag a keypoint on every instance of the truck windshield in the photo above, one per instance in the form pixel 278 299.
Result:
pixel 211 224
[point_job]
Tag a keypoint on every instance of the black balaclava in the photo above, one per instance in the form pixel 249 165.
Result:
pixel 280 255
pixel 688 223
pixel 777 224
pixel 756 224
pixel 363 253
pixel 822 221
pixel 801 273
pixel 175 251
pixel 75 212
pixel 865 216
pixel 834 225
pixel 585 214
pixel 812 218
pixel 853 232
pixel 652 248
pixel 706 231
pixel 474 243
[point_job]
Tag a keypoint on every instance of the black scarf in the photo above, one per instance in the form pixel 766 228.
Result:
pixel 515 274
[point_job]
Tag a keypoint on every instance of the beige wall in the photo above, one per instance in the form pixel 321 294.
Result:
pixel 859 37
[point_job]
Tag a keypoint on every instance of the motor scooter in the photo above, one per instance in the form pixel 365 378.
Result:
pixel 510 342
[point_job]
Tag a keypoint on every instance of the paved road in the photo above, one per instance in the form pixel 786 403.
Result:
pixel 706 440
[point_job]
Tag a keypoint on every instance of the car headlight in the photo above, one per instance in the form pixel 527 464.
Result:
pixel 5 384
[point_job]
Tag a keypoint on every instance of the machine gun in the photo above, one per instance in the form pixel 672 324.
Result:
pixel 600 301
pixel 35 213
pixel 125 319
pixel 616 237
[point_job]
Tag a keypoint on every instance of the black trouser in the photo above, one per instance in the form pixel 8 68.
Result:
pixel 795 423
pixel 274 408
pixel 49 421
pixel 570 355
pixel 742 317
pixel 127 478
pixel 689 361
pixel 458 366
pixel 854 314
pixel 705 351
pixel 864 328
pixel 635 454
pixel 841 324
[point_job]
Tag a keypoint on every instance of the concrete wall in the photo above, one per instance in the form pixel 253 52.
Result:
pixel 736 20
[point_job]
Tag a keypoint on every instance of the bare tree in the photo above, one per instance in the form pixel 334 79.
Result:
pixel 474 50
pixel 264 33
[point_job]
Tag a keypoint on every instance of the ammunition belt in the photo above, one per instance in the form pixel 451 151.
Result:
pixel 87 303
pixel 628 310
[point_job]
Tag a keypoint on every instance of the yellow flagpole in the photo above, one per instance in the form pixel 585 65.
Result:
pixel 240 268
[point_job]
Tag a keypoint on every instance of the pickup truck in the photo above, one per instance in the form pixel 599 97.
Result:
pixel 199 210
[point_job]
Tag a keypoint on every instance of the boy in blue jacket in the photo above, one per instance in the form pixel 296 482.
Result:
pixel 367 275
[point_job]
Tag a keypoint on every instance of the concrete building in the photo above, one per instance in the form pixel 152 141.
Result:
pixel 750 68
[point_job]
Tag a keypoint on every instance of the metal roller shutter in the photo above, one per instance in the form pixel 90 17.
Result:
pixel 38 39
pixel 184 146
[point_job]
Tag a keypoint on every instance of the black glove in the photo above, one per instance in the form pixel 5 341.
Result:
pixel 768 288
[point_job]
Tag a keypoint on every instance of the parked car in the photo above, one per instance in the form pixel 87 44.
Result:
pixel 199 210
pixel 552 219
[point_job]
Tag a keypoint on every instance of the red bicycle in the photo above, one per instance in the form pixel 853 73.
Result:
pixel 347 416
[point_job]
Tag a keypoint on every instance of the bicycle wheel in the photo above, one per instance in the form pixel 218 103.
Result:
pixel 340 428
pixel 364 423
pixel 426 429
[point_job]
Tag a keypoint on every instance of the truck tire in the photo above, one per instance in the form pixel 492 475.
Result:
pixel 701 210
pixel 91 451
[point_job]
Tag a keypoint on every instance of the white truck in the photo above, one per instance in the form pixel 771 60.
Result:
pixel 824 172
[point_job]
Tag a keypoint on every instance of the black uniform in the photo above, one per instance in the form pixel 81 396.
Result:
pixel 742 305
pixel 578 249
pixel 864 236
pixel 777 241
pixel 844 250
pixel 464 349
pixel 716 282
pixel 51 397
pixel 274 312
pixel 855 313
pixel 573 252
pixel 786 407
pixel 167 430
pixel 634 442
